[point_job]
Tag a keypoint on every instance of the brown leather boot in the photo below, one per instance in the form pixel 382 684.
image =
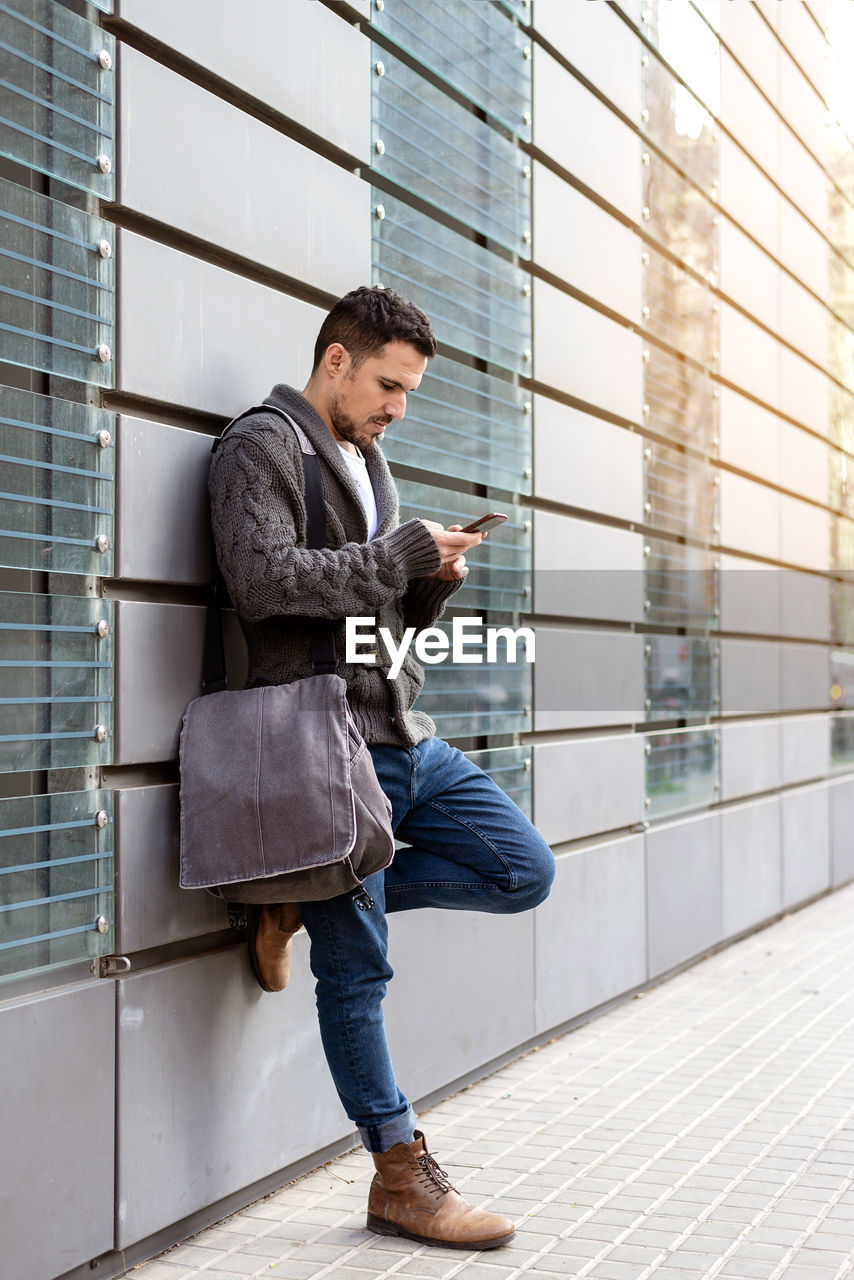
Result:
pixel 411 1196
pixel 271 930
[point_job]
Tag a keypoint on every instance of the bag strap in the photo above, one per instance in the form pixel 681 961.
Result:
pixel 324 657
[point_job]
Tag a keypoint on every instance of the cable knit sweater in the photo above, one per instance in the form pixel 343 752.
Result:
pixel 259 523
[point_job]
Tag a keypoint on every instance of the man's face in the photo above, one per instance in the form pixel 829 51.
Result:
pixel 365 399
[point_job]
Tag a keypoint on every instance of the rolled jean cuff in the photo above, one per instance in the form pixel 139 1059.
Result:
pixel 381 1137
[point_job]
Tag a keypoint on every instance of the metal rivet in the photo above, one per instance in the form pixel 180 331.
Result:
pixel 102 924
pixel 526 236
pixel 645 213
pixel 379 67
pixel 527 355
pixel 647 750
pixel 104 353
pixel 102 819
pixel 647 506
pixel 647 549
pixel 526 171
pixel 105 58
pixel 379 147
pixel 527 407
pixel 526 710
pixel 103 629
pixel 526 592
pixel 644 356
pixel 526 117
pixel 104 439
pixel 647 604
pixel 105 249
pixel 102 543
pixel 527 526
pixel 526 289
pixel 102 733
pixel 380 5
pixel 527 764
pixel 647 453
pixel 527 473
pixel 645 158
pixel 645 115
pixel 645 60
pixel 105 164
pixel 645 259
pixel 647 649
pixel 379 213
pixel 647 802
pixel 645 312
pixel 526 53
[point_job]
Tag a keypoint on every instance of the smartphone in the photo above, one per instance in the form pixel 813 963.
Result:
pixel 484 523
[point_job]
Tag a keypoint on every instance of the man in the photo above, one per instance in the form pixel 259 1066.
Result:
pixel 471 847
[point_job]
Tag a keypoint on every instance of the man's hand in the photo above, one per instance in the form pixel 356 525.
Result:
pixel 452 543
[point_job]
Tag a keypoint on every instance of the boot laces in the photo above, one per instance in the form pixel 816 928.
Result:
pixel 434 1177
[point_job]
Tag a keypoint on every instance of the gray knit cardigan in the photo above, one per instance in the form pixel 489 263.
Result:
pixel 259 523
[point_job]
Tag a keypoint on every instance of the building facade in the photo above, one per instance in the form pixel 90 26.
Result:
pixel 633 227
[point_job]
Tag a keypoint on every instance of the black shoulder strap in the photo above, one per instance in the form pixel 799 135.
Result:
pixel 324 658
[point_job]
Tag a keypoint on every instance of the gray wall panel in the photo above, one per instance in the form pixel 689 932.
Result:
pixel 804 677
pixel 748 276
pixel 803 37
pixel 574 786
pixel 803 250
pixel 750 516
pixel 159 664
pixel 750 677
pixel 583 679
pixel 747 115
pixel 804 534
pixel 806 843
pixel 753 44
pixel 219 1084
pixel 580 33
pixel 747 195
pixel 684 890
pixel 804 748
pixel 162 503
pixel 585 354
pixel 749 436
pixel 198 336
pixel 802 178
pixel 232 181
pixel 318 77
pixel 605 154
pixel 749 596
pixel 748 356
pixel 586 570
pixel 841 827
pixel 585 462
pixel 804 603
pixel 591 932
pixel 752 864
pixel 151 910
pixel 461 1016
pixel 611 275
pixel 804 392
pixel 750 758
pixel 56 1130
pixel 804 321
pixel 804 463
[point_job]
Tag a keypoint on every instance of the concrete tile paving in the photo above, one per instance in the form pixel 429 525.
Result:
pixel 701 1131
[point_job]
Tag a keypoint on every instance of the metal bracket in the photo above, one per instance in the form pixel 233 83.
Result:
pixel 110 966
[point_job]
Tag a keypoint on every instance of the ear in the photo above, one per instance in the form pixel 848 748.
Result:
pixel 336 360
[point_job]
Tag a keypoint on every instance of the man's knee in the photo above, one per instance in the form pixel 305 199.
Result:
pixel 535 879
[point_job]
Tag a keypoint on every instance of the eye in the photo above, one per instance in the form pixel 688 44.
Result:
pixel 387 386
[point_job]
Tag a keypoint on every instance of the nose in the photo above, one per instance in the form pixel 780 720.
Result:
pixel 395 405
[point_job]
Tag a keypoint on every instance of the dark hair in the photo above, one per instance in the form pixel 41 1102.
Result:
pixel 365 319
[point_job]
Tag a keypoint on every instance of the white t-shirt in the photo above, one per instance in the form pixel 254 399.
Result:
pixel 359 472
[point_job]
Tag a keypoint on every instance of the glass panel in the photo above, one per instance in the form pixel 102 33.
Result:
pixel 680 401
pixel 56 97
pixel 478 697
pixel 682 770
pixel 681 308
pixel 57 486
pixel 57 291
pixel 500 577
pixel 464 423
pixel 682 677
pixel 842 544
pixel 437 149
pixel 474 298
pixel 680 491
pixel 56 681
pixel 56 880
pixel 842 610
pixel 679 124
pixel 690 45
pixel 681 585
pixel 842 739
pixel 473 46
pixel 510 767
pixel 842 679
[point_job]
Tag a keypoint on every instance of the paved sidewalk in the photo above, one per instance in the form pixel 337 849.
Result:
pixel 704 1129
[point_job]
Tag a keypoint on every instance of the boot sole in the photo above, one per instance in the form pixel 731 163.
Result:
pixel 383 1228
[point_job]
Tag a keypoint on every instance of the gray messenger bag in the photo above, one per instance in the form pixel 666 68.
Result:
pixel 279 798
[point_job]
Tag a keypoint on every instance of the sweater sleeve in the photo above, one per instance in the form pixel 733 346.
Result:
pixel 425 600
pixel 255 509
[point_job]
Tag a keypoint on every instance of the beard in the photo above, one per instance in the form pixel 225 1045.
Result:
pixel 347 427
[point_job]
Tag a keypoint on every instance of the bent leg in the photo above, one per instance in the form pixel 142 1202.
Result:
pixel 472 848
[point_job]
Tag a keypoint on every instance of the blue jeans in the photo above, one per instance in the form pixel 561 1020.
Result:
pixel 472 849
